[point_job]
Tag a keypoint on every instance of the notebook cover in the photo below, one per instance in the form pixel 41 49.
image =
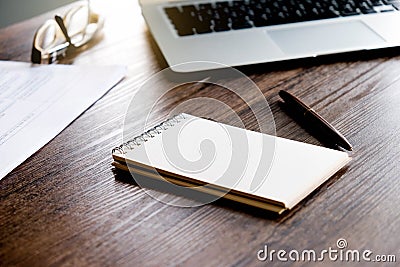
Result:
pixel 253 165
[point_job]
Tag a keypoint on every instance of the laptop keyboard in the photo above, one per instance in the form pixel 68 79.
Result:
pixel 234 15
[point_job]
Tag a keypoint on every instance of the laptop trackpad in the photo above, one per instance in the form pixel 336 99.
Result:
pixel 326 38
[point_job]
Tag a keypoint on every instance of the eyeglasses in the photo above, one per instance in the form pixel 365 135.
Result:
pixel 62 35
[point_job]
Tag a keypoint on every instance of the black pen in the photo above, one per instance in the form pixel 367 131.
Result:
pixel 312 121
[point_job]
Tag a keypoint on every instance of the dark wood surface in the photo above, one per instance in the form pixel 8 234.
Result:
pixel 66 206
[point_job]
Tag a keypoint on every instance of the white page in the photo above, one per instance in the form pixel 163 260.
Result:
pixel 38 101
pixel 294 170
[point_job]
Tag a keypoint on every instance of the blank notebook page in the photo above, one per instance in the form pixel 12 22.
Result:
pixel 257 164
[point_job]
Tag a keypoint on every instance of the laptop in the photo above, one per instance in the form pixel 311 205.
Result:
pixel 242 32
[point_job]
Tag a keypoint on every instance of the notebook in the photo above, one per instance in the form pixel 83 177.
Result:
pixel 257 169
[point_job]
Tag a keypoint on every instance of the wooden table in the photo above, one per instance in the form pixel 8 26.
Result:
pixel 66 206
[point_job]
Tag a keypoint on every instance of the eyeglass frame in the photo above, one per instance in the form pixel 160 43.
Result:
pixel 59 51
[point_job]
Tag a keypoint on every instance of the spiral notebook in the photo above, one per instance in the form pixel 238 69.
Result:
pixel 257 169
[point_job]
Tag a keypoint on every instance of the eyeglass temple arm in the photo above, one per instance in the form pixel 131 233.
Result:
pixel 60 23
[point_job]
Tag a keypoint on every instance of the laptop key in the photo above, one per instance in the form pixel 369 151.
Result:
pixel 179 20
pixel 184 31
pixel 238 24
pixel 376 2
pixel 221 25
pixel 349 13
pixel 261 21
pixel 202 26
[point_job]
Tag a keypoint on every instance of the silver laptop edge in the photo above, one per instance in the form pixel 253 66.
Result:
pixel 270 43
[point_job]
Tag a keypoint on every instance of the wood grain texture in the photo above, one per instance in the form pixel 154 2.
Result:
pixel 65 206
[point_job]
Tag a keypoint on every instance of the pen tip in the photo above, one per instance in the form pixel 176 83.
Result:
pixel 348 147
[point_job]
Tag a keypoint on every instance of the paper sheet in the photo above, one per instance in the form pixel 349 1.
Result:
pixel 38 101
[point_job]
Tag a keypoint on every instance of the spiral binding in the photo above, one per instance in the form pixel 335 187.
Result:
pixel 144 137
